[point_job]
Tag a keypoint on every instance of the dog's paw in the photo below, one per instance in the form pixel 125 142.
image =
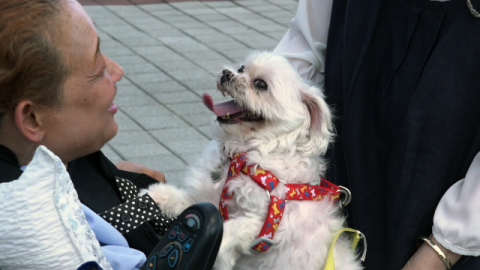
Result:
pixel 142 192
pixel 171 200
pixel 224 263
pixel 227 254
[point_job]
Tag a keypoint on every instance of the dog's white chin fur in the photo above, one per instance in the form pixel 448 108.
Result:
pixel 288 144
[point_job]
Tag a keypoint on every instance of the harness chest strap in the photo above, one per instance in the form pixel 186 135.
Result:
pixel 269 181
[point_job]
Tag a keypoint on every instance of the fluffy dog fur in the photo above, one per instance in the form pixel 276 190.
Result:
pixel 288 139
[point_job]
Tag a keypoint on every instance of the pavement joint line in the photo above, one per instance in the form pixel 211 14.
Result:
pixel 212 28
pixel 256 13
pixel 187 34
pixel 116 151
pixel 112 146
pixel 280 6
pixel 157 140
pixel 238 21
pixel 164 44
pixel 140 7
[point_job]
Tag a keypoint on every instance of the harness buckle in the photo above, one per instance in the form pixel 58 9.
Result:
pixel 260 240
pixel 348 196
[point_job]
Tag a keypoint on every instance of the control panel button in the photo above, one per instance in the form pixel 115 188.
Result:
pixel 173 233
pixel 165 251
pixel 191 224
pixel 151 263
pixel 188 245
pixel 182 235
pixel 173 258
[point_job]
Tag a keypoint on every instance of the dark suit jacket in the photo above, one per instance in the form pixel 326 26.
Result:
pixel 403 79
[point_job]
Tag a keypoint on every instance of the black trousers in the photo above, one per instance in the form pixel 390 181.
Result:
pixel 403 77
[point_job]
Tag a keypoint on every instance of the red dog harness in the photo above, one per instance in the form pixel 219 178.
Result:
pixel 268 181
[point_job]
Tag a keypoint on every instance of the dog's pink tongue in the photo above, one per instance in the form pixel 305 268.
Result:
pixel 221 109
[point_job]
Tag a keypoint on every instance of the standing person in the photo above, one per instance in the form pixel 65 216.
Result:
pixel 402 78
pixel 57 90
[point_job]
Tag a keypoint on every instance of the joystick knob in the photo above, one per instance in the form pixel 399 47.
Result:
pixel 191 224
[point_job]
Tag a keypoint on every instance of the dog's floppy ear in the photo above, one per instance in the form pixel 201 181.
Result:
pixel 320 121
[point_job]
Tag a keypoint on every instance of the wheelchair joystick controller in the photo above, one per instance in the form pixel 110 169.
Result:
pixel 192 241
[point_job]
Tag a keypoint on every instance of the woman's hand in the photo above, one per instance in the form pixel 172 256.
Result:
pixel 138 168
pixel 426 258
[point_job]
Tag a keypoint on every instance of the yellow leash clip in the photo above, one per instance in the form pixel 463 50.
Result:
pixel 357 235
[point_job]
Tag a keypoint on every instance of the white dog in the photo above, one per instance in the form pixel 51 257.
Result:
pixel 277 127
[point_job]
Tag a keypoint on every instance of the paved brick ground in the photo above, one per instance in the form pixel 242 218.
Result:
pixel 171 53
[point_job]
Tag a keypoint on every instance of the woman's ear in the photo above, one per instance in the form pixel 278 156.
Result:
pixel 28 120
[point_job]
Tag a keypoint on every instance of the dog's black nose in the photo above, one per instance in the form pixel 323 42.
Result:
pixel 227 75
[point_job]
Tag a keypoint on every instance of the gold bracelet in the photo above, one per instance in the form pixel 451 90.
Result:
pixel 438 250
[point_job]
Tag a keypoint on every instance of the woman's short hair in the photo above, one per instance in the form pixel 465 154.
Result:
pixel 32 66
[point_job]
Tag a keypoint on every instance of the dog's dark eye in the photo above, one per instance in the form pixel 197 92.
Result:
pixel 261 84
pixel 240 70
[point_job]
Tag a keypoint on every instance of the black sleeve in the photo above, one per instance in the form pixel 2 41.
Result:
pixel 139 179
pixel 143 181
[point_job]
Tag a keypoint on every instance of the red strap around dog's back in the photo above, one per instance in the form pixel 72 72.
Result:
pixel 311 192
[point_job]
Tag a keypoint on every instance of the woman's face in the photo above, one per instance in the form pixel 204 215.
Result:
pixel 85 120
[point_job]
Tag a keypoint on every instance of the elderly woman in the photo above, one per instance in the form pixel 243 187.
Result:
pixel 57 90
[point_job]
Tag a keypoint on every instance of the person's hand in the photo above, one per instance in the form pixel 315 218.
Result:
pixel 426 258
pixel 139 168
